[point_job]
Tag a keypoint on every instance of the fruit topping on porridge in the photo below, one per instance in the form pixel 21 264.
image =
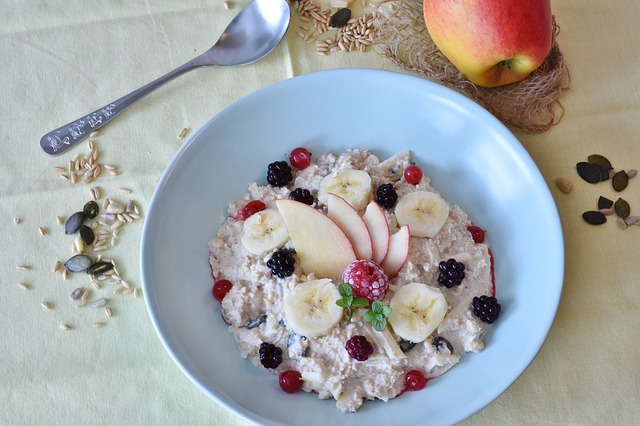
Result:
pixel 352 277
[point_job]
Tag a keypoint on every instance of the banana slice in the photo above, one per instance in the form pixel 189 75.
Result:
pixel 264 231
pixel 417 310
pixel 310 308
pixel 352 185
pixel 425 213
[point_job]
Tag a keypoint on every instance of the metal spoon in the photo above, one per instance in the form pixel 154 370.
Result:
pixel 250 36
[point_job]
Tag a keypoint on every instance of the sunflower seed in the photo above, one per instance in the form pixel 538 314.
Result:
pixel 42 230
pixel 23 268
pixel 87 235
pixel 594 217
pixel 99 268
pixel 78 263
pixel 65 326
pixel 24 286
pixel 73 223
pixel 108 312
pixel 115 208
pixel 136 292
pixel 98 324
pixel 16 221
pixel 56 266
pixel 184 131
pixel 100 303
pixel 622 208
pixel 76 294
pixel 620 181
pixel 46 305
pixel 60 220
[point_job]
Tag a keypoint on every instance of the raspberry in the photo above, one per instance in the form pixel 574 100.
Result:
pixel 451 273
pixel 477 233
pixel 220 289
pixel 302 195
pixel 414 380
pixel 251 208
pixel 290 381
pixel 386 195
pixel 300 158
pixel 486 308
pixel 282 263
pixel 359 348
pixel 270 355
pixel 413 174
pixel 279 173
pixel 367 279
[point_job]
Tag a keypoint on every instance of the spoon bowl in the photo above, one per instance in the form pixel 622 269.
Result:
pixel 250 36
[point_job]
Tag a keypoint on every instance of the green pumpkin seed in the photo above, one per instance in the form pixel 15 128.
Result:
pixel 589 172
pixel 90 210
pixel 622 208
pixel 87 235
pixel 78 263
pixel 74 223
pixel 340 18
pixel 620 180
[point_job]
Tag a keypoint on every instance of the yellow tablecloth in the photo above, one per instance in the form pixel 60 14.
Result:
pixel 62 59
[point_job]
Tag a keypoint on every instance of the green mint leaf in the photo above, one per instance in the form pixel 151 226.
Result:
pixel 345 290
pixel 341 303
pixel 370 316
pixel 360 302
pixel 386 311
pixel 348 300
pixel 379 324
pixel 377 306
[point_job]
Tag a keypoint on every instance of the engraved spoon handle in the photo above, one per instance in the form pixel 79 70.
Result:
pixel 60 140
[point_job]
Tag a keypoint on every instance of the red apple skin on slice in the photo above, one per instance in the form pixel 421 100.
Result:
pixel 352 224
pixel 376 222
pixel 321 246
pixel 398 252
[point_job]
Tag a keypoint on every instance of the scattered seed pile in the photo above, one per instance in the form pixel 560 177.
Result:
pixel 598 169
pixel 530 105
pixel 92 230
pixel 335 29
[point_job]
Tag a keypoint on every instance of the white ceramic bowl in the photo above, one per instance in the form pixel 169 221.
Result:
pixel 472 159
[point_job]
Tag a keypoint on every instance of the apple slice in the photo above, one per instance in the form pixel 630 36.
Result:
pixel 321 245
pixel 378 227
pixel 353 225
pixel 398 252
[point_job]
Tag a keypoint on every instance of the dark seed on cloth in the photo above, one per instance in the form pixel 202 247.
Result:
pixel 604 203
pixel 87 235
pixel 90 210
pixel 74 223
pixel 594 217
pixel 622 208
pixel 100 268
pixel 620 180
pixel 78 263
pixel 600 161
pixel 589 172
pixel 340 18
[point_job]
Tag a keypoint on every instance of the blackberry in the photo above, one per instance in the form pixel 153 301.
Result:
pixel 386 195
pixel 451 273
pixel 302 195
pixel 270 355
pixel 279 173
pixel 359 348
pixel 438 342
pixel 282 263
pixel 486 308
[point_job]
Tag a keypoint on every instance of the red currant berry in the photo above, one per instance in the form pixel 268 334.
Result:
pixel 250 209
pixel 477 233
pixel 290 381
pixel 413 174
pixel 414 380
pixel 300 158
pixel 220 289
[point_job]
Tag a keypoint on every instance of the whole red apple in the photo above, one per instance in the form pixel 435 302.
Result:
pixel 491 42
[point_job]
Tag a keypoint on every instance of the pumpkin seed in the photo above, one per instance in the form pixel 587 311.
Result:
pixel 589 172
pixel 600 160
pixel 256 322
pixel 340 18
pixel 622 208
pixel 78 263
pixel 74 223
pixel 620 180
pixel 594 217
pixel 87 235
pixel 100 268
pixel 90 210
pixel 604 203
